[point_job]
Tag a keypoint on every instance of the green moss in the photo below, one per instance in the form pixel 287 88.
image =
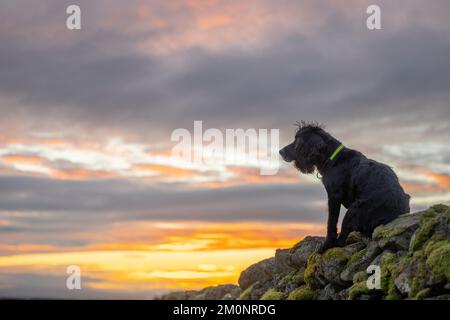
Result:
pixel 311 268
pixel 382 232
pixel 303 293
pixel 355 237
pixel 199 297
pixel 390 265
pixel 424 232
pixel 392 293
pixel 439 262
pixel 420 276
pixel 414 267
pixel 286 279
pixel 245 295
pixel 272 294
pixel 179 295
pixel 423 294
pixel 356 257
pixel 360 276
pixel 433 244
pixel 387 265
pixel 339 254
pixel 357 290
pixel 439 208
pixel 298 278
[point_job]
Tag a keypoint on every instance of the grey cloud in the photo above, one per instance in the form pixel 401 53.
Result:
pixel 115 200
pixel 332 74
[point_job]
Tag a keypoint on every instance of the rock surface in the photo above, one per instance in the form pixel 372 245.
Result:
pixel 411 255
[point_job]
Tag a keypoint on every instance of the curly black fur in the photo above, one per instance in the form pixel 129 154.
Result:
pixel 369 190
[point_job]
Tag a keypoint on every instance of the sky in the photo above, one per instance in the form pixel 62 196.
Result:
pixel 87 176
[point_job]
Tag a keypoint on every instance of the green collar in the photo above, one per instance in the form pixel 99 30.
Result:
pixel 336 152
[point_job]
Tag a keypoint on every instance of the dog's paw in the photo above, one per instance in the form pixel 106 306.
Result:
pixel 340 242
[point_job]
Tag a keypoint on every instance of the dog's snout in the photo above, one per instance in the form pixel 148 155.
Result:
pixel 285 154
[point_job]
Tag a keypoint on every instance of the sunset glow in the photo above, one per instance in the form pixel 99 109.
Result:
pixel 88 175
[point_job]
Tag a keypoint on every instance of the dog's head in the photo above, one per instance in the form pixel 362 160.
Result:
pixel 308 148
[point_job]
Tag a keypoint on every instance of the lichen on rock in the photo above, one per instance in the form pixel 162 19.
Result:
pixel 272 294
pixel 303 293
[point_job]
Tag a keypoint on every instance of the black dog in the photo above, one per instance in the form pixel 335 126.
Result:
pixel 368 189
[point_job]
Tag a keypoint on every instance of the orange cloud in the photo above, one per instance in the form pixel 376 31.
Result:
pixel 12 159
pixel 81 174
pixel 416 187
pixel 439 181
pixel 27 248
pixel 213 21
pixel 165 170
pixel 198 236
pixel 442 180
pixel 253 175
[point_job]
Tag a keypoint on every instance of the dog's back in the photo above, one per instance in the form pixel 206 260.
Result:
pixel 378 192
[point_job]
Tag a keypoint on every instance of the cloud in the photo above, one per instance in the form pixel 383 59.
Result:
pixel 325 72
pixel 113 197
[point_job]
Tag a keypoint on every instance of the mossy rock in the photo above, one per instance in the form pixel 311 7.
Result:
pixel 333 263
pixel 326 268
pixel 410 276
pixel 397 234
pixel 301 252
pixel 360 276
pixel 356 237
pixel 312 268
pixel 299 278
pixel 227 296
pixel 201 296
pixel 339 254
pixel 423 294
pixel 178 295
pixel 272 294
pixel 439 262
pixel 439 208
pixel 303 293
pixel 284 281
pixel 434 244
pixel 420 275
pixel 262 271
pixel 388 265
pixel 245 295
pixel 358 289
pixel 434 225
pixel 424 232
pixel 355 264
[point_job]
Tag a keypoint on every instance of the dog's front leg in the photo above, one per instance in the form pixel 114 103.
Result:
pixel 334 207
